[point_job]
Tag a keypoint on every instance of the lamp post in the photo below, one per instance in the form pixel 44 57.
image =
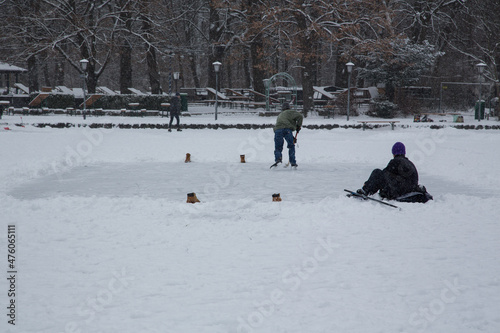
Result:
pixel 170 56
pixel 216 69
pixel 83 66
pixel 176 77
pixel 349 65
pixel 266 85
pixel 480 69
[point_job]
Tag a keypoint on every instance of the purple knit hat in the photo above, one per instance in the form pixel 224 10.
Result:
pixel 398 149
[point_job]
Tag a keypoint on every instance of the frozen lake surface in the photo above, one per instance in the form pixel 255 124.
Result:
pixel 107 243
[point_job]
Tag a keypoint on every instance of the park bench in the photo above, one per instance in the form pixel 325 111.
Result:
pixel 364 122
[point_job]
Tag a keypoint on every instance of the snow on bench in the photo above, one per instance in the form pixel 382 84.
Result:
pixel 322 91
pixel 22 87
pixel 392 122
pixel 106 90
pixel 219 94
pixel 64 90
pixel 136 91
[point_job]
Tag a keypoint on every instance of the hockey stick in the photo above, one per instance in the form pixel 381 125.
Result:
pixel 295 143
pixel 365 197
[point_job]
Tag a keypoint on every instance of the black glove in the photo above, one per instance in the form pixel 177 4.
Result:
pixel 298 129
pixel 361 191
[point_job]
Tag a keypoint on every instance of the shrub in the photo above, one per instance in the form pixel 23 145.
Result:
pixel 383 109
pixel 57 101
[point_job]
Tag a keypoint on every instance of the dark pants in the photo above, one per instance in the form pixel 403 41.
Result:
pixel 279 136
pixel 172 116
pixel 376 182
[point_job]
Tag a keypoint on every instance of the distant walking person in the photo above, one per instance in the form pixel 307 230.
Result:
pixel 175 110
pixel 287 122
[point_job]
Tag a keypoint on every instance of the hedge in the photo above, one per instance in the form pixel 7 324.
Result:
pixel 115 102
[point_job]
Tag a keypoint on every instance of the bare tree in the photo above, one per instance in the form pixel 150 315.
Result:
pixel 125 43
pixel 301 27
pixel 253 39
pixel 21 35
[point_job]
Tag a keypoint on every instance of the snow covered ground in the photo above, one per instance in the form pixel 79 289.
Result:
pixel 105 241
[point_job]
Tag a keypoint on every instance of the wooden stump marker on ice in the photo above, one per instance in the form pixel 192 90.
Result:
pixel 191 198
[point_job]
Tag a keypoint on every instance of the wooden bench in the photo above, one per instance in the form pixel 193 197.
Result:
pixel 38 99
pixel 392 122
pixel 256 105
pixel 269 113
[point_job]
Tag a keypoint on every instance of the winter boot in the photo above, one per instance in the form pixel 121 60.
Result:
pixel 275 164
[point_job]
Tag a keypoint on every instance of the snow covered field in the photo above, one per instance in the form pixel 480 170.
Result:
pixel 105 241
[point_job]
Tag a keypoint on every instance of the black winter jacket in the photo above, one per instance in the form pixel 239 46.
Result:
pixel 401 177
pixel 175 106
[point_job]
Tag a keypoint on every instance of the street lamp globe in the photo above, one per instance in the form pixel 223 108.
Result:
pixel 216 66
pixel 83 64
pixel 480 67
pixel 349 65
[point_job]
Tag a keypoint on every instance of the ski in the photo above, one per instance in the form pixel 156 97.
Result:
pixel 365 197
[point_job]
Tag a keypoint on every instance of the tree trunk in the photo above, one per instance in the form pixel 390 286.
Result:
pixel 306 45
pixel 125 67
pixel 47 82
pixel 60 70
pixel 91 78
pixel 256 52
pixel 308 79
pixel 217 54
pixel 33 74
pixel 151 61
pixel 390 91
pixel 125 50
pixel 194 70
pixel 154 78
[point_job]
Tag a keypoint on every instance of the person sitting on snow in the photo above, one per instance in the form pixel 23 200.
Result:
pixel 398 181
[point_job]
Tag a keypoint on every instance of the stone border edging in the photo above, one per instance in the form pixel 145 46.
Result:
pixel 243 126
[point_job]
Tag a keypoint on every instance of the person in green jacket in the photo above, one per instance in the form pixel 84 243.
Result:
pixel 287 122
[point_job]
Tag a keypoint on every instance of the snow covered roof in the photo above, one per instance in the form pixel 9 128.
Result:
pixel 4 67
pixel 323 92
